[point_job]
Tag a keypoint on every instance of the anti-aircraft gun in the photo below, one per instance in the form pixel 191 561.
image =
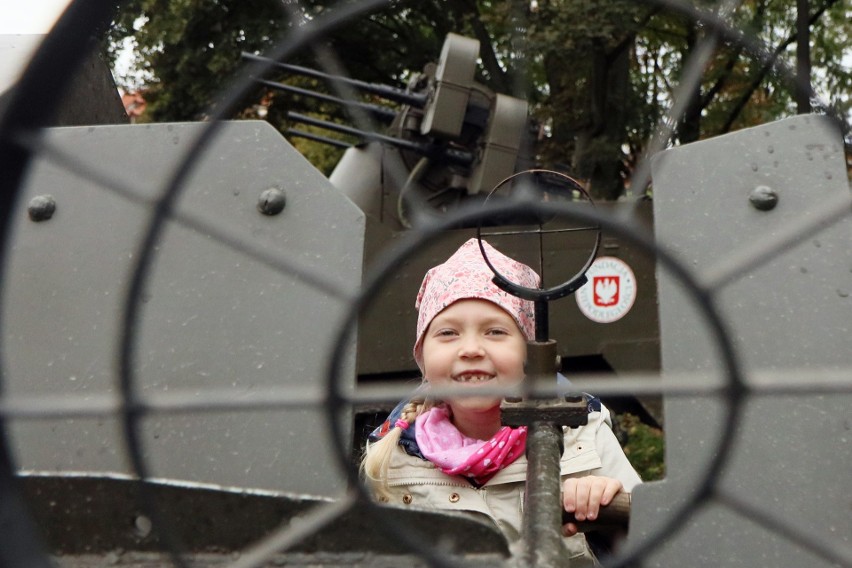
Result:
pixel 172 342
pixel 449 142
pixel 233 220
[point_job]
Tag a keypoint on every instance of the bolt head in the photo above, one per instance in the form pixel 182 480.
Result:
pixel 763 198
pixel 271 202
pixel 41 208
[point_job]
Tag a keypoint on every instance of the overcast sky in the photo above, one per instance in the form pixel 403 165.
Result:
pixel 29 16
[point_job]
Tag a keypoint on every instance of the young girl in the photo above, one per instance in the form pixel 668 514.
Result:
pixel 455 454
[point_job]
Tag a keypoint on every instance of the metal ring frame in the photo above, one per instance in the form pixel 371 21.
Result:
pixel 62 52
pixel 554 292
pixel 733 391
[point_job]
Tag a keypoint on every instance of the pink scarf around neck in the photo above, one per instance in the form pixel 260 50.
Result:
pixel 456 454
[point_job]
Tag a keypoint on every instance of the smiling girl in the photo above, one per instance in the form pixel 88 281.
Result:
pixel 455 454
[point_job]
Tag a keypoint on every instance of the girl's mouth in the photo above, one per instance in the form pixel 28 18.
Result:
pixel 472 378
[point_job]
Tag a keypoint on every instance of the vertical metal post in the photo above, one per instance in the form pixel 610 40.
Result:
pixel 543 507
pixel 542 323
pixel 803 57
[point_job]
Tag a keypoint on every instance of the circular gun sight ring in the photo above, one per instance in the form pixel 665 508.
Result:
pixel 540 294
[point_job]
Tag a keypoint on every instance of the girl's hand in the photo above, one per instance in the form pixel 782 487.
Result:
pixel 584 496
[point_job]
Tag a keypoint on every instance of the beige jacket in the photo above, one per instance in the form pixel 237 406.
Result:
pixel 589 450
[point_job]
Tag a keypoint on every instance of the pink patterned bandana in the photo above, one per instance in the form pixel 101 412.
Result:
pixel 465 275
pixel 456 454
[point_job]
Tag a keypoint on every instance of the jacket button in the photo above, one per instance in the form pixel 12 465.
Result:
pixel 406 498
pixel 454 498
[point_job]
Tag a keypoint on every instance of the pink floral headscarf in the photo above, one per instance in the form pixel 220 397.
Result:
pixel 465 275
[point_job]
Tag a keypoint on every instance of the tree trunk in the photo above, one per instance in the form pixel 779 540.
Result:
pixel 689 125
pixel 598 155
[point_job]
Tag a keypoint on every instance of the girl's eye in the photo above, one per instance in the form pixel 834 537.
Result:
pixel 445 333
pixel 497 332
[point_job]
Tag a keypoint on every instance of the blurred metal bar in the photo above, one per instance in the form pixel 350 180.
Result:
pixel 803 88
pixel 770 383
pixel 748 258
pixel 826 548
pixel 289 534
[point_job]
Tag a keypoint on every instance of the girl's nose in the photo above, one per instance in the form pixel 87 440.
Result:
pixel 470 347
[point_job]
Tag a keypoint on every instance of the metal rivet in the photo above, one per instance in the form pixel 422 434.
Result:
pixel 406 499
pixel 763 198
pixel 41 208
pixel 271 202
pixel 142 525
pixel 454 498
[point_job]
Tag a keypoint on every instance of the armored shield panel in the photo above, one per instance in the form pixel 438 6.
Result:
pixel 736 209
pixel 231 334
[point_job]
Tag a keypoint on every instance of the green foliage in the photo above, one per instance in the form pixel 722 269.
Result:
pixel 600 75
pixel 644 447
pixel 192 48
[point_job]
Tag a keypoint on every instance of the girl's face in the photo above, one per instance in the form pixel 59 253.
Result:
pixel 473 343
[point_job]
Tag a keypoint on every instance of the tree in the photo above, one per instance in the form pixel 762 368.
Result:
pixel 599 75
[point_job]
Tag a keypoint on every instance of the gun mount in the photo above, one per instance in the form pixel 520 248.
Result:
pixel 448 142
pixel 65 270
pixel 452 137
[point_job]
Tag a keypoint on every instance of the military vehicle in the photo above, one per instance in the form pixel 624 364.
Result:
pixel 173 343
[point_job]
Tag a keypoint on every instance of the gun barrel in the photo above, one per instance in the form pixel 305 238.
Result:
pixel 317 138
pixel 432 150
pixel 384 91
pixel 384 114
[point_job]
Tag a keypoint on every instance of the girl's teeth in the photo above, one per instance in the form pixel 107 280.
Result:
pixel 472 378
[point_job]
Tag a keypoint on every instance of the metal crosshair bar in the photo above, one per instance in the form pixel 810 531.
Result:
pixel 544 419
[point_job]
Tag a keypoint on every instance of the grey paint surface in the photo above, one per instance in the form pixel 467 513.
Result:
pixel 212 318
pixel 791 316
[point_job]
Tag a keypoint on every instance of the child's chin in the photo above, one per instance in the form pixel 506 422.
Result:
pixel 476 403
